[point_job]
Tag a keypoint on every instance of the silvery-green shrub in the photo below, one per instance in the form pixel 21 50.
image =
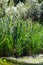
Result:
pixel 17 1
pixel 41 14
pixel 35 11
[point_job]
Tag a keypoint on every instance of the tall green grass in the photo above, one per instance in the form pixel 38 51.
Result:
pixel 20 37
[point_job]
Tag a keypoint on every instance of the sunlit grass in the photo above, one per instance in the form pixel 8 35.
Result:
pixel 4 62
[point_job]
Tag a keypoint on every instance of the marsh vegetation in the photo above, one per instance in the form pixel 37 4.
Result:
pixel 21 28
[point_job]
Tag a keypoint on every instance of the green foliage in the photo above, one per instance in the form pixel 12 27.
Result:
pixel 27 38
pixel 2 11
pixel 4 62
pixel 6 40
pixel 41 14
pixel 35 11
pixel 40 1
pixel 20 37
pixel 37 37
pixel 17 1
